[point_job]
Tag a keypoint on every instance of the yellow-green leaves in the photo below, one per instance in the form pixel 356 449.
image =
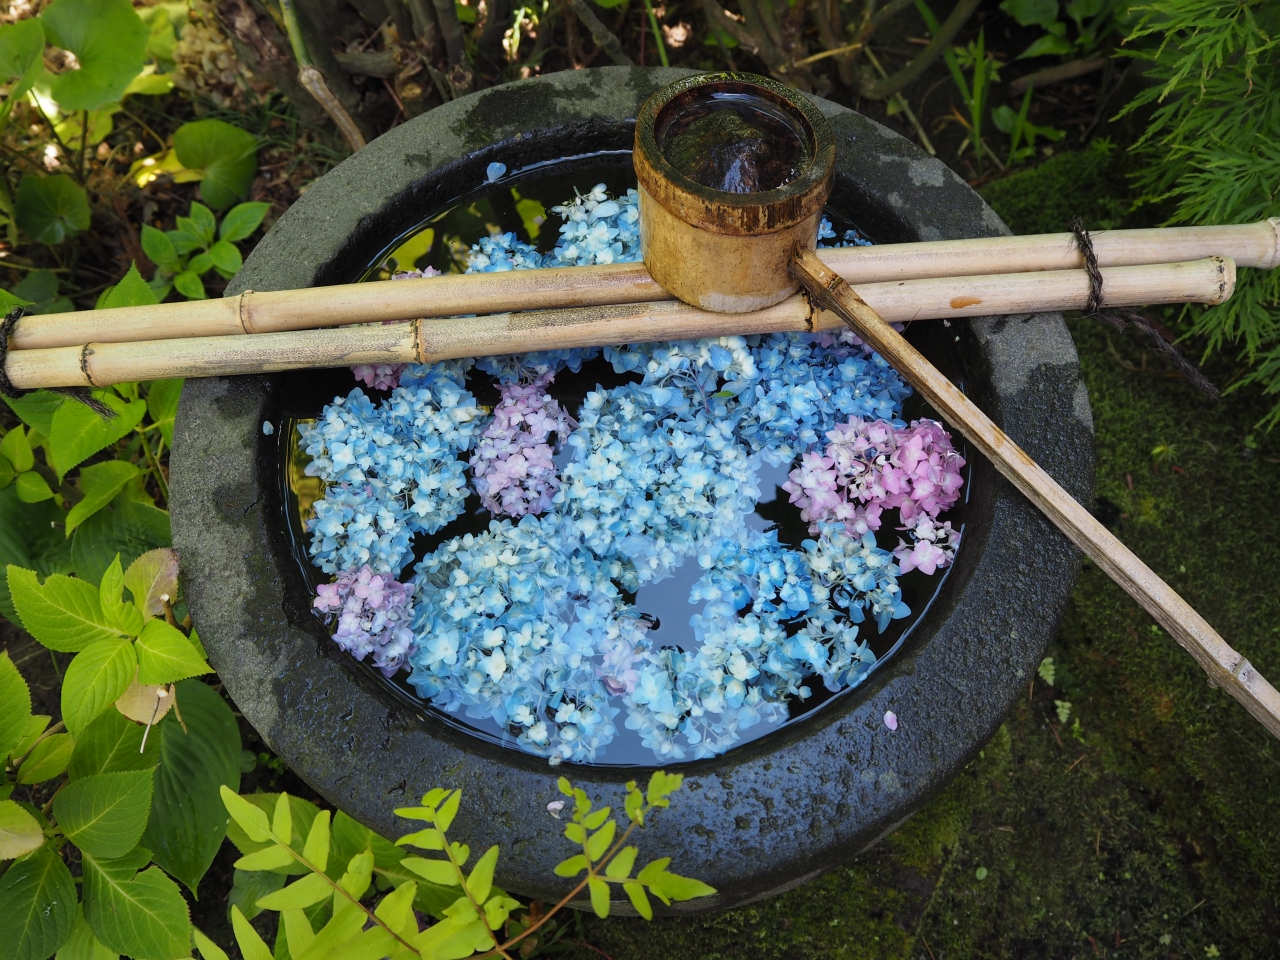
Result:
pixel 105 815
pixel 165 655
pixel 150 578
pixel 309 890
pixel 63 613
pixel 15 706
pixel 481 880
pixel 252 820
pixel 99 483
pixel 599 897
pixel 141 915
pixel 251 945
pixel 316 849
pixel 47 759
pixel 77 433
pixel 20 833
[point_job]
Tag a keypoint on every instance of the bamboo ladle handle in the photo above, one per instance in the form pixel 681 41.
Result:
pixel 1226 667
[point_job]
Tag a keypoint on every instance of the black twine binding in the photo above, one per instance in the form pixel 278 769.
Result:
pixel 9 391
pixel 1122 318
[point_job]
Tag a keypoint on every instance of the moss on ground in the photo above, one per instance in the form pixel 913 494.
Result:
pixel 1148 823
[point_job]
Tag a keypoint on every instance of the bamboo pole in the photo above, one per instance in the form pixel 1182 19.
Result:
pixel 1210 280
pixel 1226 667
pixel 1249 245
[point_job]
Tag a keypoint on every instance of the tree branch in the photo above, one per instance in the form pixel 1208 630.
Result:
pixel 602 35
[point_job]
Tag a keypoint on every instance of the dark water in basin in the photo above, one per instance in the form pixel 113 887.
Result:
pixel 522 204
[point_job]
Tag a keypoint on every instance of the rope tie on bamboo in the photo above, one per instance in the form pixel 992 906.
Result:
pixel 10 392
pixel 1122 318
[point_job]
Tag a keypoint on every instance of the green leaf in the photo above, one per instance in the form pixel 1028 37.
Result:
pixel 316 849
pixel 680 888
pixel 359 874
pixel 15 448
pixel 200 222
pixel 113 743
pixel 312 888
pixel 83 945
pixel 32 488
pixel 131 291
pixel 165 655
pixel 30 537
pixel 208 949
pixel 109 40
pixel 41 288
pixel 35 728
pixel 448 810
pixel 1031 12
pixel 250 886
pixel 99 483
pixel 619 867
pixel 64 614
pixel 599 841
pixel 20 834
pixel 242 220
pixel 15 706
pixel 47 759
pixel 200 264
pixel 37 906
pixel 599 897
pixel 126 527
pixel 296 931
pixel 424 839
pixel 227 155
pixel 162 405
pixel 268 858
pixel 141 915
pixel 21 49
pixel 105 815
pixel 97 677
pixel 396 908
pixel 188 816
pixel 78 433
pixel 251 819
pixel 282 820
pixel 440 872
pixel 572 866
pixel 635 804
pixel 639 899
pixel 251 945
pixel 6 472
pixel 189 284
pixel 36 409
pixel 1046 46
pixel 159 249
pixel 597 817
pixel 118 612
pixel 661 786
pixel 51 209
pixel 225 257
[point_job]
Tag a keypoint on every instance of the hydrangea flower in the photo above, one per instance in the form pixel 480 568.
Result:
pixel 528 623
pixel 512 464
pixel 373 614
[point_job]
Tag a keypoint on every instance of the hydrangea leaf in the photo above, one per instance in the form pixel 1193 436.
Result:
pixel 63 613
pixel 138 914
pixel 36 409
pixel 152 576
pixel 242 220
pixel 118 612
pixel 105 815
pixel 83 945
pixel 47 759
pixel 162 405
pixel 131 291
pixel 51 209
pixel 30 537
pixel 250 886
pixel 97 677
pixel 15 448
pixel 20 834
pixel 165 655
pixel 188 817
pixel 37 905
pixel 109 40
pixel 32 488
pixel 227 155
pixel 78 433
pixel 126 527
pixel 15 705
pixel 99 483
pixel 112 743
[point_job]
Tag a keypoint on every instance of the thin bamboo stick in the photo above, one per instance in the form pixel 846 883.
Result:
pixel 1249 245
pixel 1226 667
pixel 1210 280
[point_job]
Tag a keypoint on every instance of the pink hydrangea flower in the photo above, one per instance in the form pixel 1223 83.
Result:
pixel 512 464
pixel 870 466
pixel 374 615
pixel 386 376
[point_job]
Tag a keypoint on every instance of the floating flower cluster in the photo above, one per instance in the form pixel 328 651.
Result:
pixel 374 616
pixel 529 622
pixel 872 466
pixel 512 464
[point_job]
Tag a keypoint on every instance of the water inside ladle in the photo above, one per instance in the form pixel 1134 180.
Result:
pixel 733 141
